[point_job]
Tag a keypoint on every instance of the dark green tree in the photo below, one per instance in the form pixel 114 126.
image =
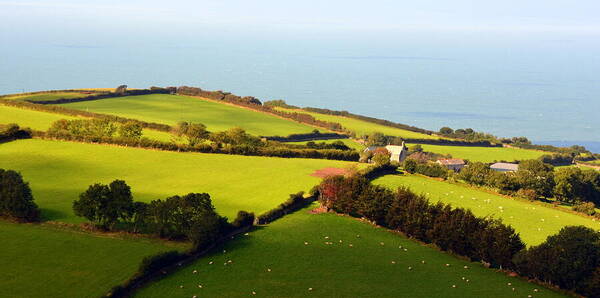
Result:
pixel 16 200
pixel 131 130
pixel 105 204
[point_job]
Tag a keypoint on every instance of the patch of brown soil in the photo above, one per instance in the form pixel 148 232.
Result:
pixel 326 172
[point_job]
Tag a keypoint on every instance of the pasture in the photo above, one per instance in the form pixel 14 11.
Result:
pixel 533 221
pixel 361 127
pixel 484 154
pixel 170 109
pixel 45 96
pixel 45 261
pixel 59 171
pixel 291 258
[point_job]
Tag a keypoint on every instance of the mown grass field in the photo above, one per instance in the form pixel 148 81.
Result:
pixel 484 154
pixel 44 261
pixel 29 118
pixel 38 120
pixel 44 96
pixel 59 171
pixel 170 109
pixel 365 269
pixel 348 142
pixel 534 222
pixel 363 127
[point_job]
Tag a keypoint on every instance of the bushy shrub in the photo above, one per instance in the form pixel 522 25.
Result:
pixel 585 207
pixel 243 219
pixel 568 259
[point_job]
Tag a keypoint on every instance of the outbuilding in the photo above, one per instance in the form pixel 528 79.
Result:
pixel 505 167
pixel 455 164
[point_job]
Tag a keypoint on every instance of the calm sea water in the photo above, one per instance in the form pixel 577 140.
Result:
pixel 543 88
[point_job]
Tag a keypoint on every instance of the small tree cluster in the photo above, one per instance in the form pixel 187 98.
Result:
pixel 16 200
pixel 106 205
pixel 425 168
pixel 195 133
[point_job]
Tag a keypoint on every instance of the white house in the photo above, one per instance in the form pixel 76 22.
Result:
pixel 398 153
pixel 505 167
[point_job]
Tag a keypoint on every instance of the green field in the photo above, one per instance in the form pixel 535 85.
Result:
pixel 43 261
pixel 350 143
pixel 43 96
pixel 484 154
pixel 364 269
pixel 170 109
pixel 534 222
pixel 29 118
pixel 59 171
pixel 363 127
pixel 37 120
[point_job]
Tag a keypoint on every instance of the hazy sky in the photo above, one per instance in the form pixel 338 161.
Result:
pixel 512 16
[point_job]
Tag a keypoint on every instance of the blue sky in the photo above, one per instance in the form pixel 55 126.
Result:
pixel 507 16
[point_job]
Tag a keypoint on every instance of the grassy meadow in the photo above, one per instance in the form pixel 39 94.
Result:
pixel 59 171
pixel 44 96
pixel 534 222
pixel 484 154
pixel 362 261
pixel 170 109
pixel 44 261
pixel 361 127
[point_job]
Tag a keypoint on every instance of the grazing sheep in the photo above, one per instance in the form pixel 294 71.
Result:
pixel 513 289
pixel 423 262
pixel 310 289
pixel 200 286
pixel 393 262
pixel 447 265
pixel 195 271
pixel 510 284
pixel 350 244
pixel 246 234
pixel 454 286
pixel 406 249
pixel 253 293
pixel 357 236
pixel 381 243
pixel 305 243
pixel 224 251
pixel 181 286
pixel 466 267
pixel 210 263
pixel 269 269
pixel 535 290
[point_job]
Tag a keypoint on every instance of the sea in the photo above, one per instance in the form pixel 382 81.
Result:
pixel 545 87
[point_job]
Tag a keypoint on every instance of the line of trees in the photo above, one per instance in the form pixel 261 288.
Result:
pixel 233 141
pixel 536 179
pixel 426 168
pixel 16 199
pixel 569 259
pixel 456 230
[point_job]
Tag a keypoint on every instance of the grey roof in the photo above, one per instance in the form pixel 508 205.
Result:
pixel 504 166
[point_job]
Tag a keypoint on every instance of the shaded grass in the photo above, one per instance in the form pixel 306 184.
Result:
pixel 59 171
pixel 337 270
pixel 484 154
pixel 534 222
pixel 43 261
pixel 361 127
pixel 170 109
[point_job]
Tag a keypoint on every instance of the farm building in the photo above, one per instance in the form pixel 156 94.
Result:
pixel 454 164
pixel 397 153
pixel 505 167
